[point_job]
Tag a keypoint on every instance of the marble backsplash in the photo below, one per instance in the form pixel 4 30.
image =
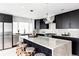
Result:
pixel 73 32
pixel 52 29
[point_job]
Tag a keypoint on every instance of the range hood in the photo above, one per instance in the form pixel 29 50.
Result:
pixel 49 19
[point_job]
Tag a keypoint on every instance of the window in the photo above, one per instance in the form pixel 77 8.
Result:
pixel 26 27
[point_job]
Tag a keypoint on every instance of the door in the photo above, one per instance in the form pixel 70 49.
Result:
pixel 1 35
pixel 7 35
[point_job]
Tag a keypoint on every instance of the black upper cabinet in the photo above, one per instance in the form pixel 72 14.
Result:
pixel 58 19
pixel 66 21
pixel 37 24
pixel 1 18
pixel 69 20
pixel 74 17
pixel 5 18
pixel 43 25
pixel 40 24
pixel 63 21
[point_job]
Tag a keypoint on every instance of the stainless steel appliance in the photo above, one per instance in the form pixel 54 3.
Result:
pixel 6 31
pixel 1 35
pixel 7 35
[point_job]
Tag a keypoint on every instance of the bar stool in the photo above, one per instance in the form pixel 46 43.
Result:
pixel 25 54
pixel 30 51
pixel 23 46
pixel 39 54
pixel 19 51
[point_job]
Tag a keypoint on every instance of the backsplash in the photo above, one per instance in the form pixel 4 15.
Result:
pixel 52 29
pixel 73 32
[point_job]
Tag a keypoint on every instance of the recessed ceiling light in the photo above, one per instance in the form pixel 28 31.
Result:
pixel 31 10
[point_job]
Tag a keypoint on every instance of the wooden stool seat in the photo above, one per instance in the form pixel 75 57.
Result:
pixel 24 53
pixel 30 50
pixel 39 54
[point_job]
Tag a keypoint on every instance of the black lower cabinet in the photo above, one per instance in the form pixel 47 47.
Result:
pixel 75 43
pixel 75 46
pixel 39 48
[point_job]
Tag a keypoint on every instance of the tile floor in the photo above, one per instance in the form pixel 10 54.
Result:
pixel 8 52
pixel 11 52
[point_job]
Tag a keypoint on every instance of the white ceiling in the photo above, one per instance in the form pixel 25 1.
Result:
pixel 40 9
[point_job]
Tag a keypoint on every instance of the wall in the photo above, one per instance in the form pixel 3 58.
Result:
pixel 52 27
pixel 21 19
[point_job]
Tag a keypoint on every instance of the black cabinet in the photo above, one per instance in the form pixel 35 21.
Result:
pixel 5 18
pixel 69 20
pixel 40 24
pixel 66 21
pixel 63 21
pixel 37 24
pixel 43 25
pixel 74 17
pixel 59 20
pixel 1 17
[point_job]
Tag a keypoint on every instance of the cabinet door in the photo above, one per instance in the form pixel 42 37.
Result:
pixel 63 21
pixel 66 21
pixel 1 18
pixel 7 18
pixel 42 24
pixel 58 19
pixel 77 47
pixel 74 19
pixel 37 24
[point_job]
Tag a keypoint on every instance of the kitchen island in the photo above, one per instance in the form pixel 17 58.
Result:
pixel 49 46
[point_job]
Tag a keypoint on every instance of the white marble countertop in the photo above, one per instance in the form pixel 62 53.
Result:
pixel 75 36
pixel 69 36
pixel 48 42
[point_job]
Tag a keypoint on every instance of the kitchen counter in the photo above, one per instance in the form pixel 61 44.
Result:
pixel 54 35
pixel 46 41
pixel 54 44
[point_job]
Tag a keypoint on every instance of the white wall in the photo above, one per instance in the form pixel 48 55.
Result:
pixel 22 19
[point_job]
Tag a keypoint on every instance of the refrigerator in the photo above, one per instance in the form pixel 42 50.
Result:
pixel 6 31
pixel 1 35
pixel 7 35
